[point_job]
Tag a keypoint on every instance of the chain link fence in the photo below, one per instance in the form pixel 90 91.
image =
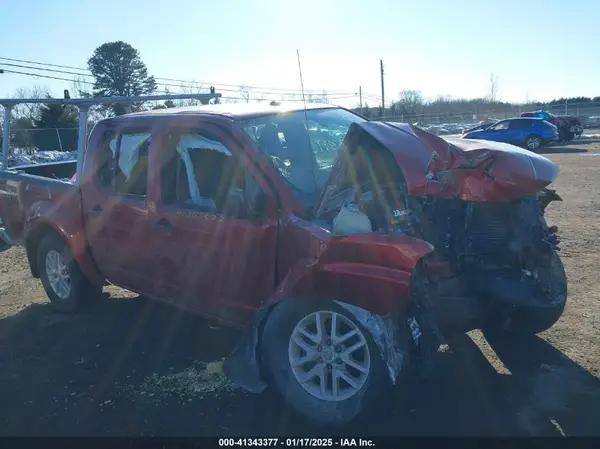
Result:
pixel 430 115
pixel 40 145
pixel 31 140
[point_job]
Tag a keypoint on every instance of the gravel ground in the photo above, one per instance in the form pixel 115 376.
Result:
pixel 129 366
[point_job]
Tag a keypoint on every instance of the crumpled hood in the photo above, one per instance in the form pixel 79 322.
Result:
pixel 471 170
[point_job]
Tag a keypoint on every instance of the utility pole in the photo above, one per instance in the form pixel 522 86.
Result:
pixel 382 90
pixel 6 135
pixel 360 98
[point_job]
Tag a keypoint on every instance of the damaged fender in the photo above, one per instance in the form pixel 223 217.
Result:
pixel 546 196
pixel 243 366
pixel 353 256
pixel 384 332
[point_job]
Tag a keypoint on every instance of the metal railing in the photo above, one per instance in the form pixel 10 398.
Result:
pixel 84 104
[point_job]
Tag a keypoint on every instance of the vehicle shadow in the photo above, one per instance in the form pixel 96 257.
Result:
pixel 130 366
pixel 561 149
pixel 560 394
pixel 583 140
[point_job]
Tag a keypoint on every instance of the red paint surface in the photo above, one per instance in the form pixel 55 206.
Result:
pixel 471 170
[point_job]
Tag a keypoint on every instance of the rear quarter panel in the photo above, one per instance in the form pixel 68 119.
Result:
pixel 32 205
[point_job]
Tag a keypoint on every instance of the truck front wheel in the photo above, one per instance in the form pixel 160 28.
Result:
pixel 323 362
pixel 64 283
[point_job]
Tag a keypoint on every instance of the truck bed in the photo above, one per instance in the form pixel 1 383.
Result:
pixel 27 200
pixel 55 170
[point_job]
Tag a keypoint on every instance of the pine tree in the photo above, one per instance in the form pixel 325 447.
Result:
pixel 119 71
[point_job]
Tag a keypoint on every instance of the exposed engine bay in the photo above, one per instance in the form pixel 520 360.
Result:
pixel 484 251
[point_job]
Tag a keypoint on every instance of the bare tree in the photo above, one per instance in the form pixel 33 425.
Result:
pixel 245 92
pixel 410 102
pixel 29 111
pixel 80 87
pixel 322 97
pixel 493 89
pixel 291 97
pixel 193 88
pixel 189 88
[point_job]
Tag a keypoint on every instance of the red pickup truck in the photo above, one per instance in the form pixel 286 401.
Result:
pixel 343 247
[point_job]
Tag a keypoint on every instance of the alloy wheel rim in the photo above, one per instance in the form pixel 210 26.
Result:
pixel 533 143
pixel 329 356
pixel 58 274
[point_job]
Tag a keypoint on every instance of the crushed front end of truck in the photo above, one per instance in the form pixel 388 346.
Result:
pixel 480 204
pixel 417 237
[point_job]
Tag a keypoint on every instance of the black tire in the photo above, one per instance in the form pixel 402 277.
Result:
pixel 373 396
pixel 81 291
pixel 534 320
pixel 528 142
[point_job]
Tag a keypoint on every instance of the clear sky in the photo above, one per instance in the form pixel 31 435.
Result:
pixel 537 49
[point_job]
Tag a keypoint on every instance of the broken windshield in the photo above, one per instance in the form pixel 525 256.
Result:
pixel 302 146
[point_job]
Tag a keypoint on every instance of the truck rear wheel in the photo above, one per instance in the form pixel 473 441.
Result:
pixel 323 362
pixel 64 283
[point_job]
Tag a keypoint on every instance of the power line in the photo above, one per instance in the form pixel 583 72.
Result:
pixel 43 63
pixel 341 97
pixel 39 75
pixel 255 92
pixel 238 86
pixel 46 70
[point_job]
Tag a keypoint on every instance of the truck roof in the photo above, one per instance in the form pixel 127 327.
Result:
pixel 236 110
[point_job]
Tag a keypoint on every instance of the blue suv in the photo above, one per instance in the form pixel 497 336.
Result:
pixel 532 133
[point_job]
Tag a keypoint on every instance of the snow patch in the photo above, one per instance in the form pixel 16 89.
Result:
pixel 20 157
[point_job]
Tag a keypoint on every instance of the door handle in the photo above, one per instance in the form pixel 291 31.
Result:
pixel 96 210
pixel 163 226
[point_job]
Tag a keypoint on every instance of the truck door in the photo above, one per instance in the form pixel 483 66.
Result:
pixel 212 233
pixel 115 208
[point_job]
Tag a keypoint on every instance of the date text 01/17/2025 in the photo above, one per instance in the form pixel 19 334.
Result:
pixel 296 442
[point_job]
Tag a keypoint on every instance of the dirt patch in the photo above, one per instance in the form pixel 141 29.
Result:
pixel 194 382
pixel 129 366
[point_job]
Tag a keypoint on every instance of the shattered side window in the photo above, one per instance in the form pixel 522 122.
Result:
pixel 123 162
pixel 201 173
pixel 129 151
pixel 108 150
pixel 130 172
